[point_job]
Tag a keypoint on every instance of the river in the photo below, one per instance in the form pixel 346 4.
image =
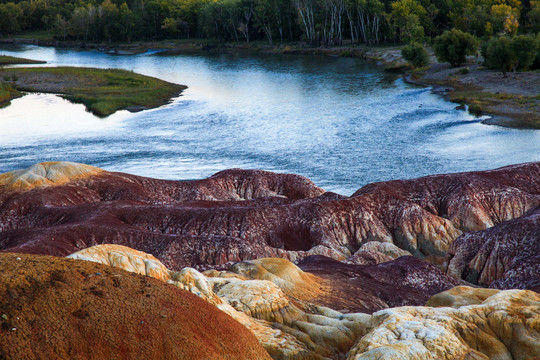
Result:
pixel 341 122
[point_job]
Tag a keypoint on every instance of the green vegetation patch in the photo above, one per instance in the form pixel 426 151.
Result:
pixel 102 91
pixel 11 60
pixel 7 93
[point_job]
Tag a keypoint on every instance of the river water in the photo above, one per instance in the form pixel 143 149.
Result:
pixel 341 122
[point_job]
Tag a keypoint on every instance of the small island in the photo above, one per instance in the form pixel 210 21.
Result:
pixel 102 91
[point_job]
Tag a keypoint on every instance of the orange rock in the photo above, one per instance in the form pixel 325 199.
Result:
pixel 54 308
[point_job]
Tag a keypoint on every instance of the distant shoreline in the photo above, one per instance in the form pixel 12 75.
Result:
pixel 478 90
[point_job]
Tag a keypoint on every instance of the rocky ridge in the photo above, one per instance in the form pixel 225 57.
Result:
pixel 239 215
pixel 260 294
pixel 504 256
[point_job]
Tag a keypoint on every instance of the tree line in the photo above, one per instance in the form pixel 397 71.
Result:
pixel 317 22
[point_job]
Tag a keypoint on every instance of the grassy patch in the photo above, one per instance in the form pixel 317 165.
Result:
pixel 7 93
pixel 11 60
pixel 102 91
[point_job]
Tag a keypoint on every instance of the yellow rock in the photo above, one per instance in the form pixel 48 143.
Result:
pixel 256 295
pixel 287 276
pixel 461 323
pixel 503 325
pixel 125 258
pixel 46 174
pixel 461 296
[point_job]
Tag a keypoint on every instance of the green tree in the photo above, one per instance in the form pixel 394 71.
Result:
pixel 409 18
pixel 61 26
pixel 415 54
pixel 366 19
pixel 525 49
pixel 533 16
pixel 453 46
pixel 108 16
pixel 10 18
pixel 500 54
pixel 126 23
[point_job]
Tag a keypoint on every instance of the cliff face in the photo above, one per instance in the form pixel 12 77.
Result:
pixel 245 214
pixel 505 256
pixel 54 308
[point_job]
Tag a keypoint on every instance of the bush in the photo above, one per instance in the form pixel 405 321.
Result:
pixel 464 71
pixel 476 109
pixel 453 46
pixel 508 54
pixel 525 50
pixel 500 54
pixel 415 54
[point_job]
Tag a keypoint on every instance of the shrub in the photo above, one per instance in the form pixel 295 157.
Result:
pixel 415 54
pixel 508 54
pixel 500 54
pixel 453 46
pixel 475 108
pixel 464 71
pixel 525 50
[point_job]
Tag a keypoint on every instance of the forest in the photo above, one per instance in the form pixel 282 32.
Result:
pixel 315 22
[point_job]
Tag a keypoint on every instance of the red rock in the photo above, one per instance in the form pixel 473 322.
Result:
pixel 246 214
pixel 506 256
pixel 368 288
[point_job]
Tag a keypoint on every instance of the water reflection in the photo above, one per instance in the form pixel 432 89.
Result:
pixel 340 121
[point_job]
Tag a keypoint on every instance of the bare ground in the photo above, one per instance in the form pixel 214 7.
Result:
pixel 513 101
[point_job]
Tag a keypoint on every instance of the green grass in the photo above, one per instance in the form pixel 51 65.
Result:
pixel 11 60
pixel 7 93
pixel 102 91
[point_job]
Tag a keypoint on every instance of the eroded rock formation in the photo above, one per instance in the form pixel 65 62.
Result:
pixel 245 214
pixel 505 256
pixel 54 308
pixel 277 302
pixel 356 288
pixel 474 324
pixel 261 295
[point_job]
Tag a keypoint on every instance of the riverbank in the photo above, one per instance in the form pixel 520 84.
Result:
pixel 11 60
pixel 102 91
pixel 7 92
pixel 388 56
pixel 512 101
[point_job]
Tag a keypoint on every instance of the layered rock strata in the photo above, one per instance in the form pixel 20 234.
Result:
pixel 276 301
pixel 261 295
pixel 505 256
pixel 245 214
